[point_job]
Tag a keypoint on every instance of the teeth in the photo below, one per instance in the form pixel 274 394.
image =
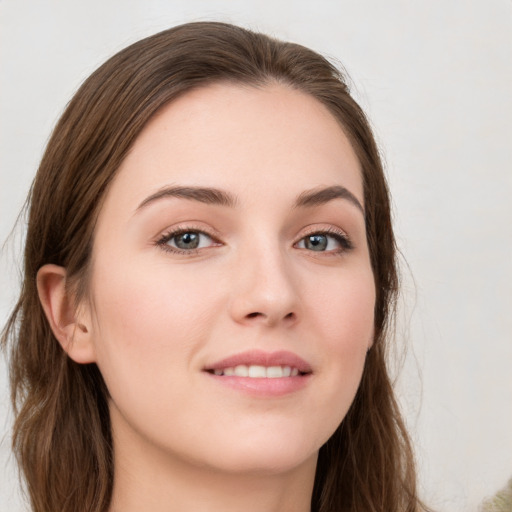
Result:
pixel 273 372
pixel 241 371
pixel 258 372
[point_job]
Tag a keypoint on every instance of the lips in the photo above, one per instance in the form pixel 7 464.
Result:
pixel 258 371
pixel 262 375
pixel 250 363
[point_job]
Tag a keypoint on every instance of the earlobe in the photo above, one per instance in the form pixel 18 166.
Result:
pixel 68 326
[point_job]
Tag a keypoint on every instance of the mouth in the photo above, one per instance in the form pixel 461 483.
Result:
pixel 259 365
pixel 264 374
pixel 258 371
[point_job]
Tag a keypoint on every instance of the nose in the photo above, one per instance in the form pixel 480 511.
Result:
pixel 264 290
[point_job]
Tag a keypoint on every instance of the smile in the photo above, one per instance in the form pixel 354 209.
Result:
pixel 262 374
pixel 258 372
pixel 258 364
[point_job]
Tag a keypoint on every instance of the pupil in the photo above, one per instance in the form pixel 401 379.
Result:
pixel 316 242
pixel 187 241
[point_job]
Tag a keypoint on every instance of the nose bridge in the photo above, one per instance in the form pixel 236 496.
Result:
pixel 265 288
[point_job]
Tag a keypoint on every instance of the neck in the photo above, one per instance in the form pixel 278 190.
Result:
pixel 147 479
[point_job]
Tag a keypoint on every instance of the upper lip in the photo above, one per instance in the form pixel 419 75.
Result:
pixel 261 358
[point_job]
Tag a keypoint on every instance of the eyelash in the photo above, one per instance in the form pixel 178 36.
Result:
pixel 341 238
pixel 168 236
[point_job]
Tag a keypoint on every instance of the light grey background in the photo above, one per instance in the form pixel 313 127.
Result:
pixel 435 77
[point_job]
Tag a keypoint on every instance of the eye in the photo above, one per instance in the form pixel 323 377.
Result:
pixel 335 242
pixel 185 241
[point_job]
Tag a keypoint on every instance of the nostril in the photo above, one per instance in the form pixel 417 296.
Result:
pixel 270 318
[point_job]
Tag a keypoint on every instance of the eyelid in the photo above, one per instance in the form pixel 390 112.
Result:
pixel 340 235
pixel 163 238
pixel 171 232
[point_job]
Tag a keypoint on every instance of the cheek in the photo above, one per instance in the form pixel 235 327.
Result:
pixel 345 310
pixel 345 318
pixel 149 322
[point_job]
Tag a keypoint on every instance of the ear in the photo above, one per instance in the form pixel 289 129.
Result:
pixel 72 332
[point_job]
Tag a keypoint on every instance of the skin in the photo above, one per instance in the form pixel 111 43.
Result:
pixel 155 318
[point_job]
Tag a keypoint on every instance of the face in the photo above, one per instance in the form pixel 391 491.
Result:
pixel 232 295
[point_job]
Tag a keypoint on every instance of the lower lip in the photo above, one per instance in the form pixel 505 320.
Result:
pixel 263 387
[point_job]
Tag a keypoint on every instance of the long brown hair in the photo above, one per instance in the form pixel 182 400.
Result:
pixel 62 436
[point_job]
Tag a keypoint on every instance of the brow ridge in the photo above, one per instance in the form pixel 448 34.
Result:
pixel 215 196
pixel 207 195
pixel 321 196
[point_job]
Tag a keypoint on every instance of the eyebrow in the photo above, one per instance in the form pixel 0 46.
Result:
pixel 215 196
pixel 321 196
pixel 205 195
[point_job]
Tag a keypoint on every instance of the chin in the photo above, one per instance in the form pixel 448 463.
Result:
pixel 264 453
pixel 266 462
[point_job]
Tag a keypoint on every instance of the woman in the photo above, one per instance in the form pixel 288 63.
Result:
pixel 209 277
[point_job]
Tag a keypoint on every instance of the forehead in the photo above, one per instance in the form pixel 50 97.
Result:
pixel 242 138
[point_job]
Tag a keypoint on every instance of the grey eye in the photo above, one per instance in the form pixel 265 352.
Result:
pixel 316 242
pixel 189 240
pixel 323 242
